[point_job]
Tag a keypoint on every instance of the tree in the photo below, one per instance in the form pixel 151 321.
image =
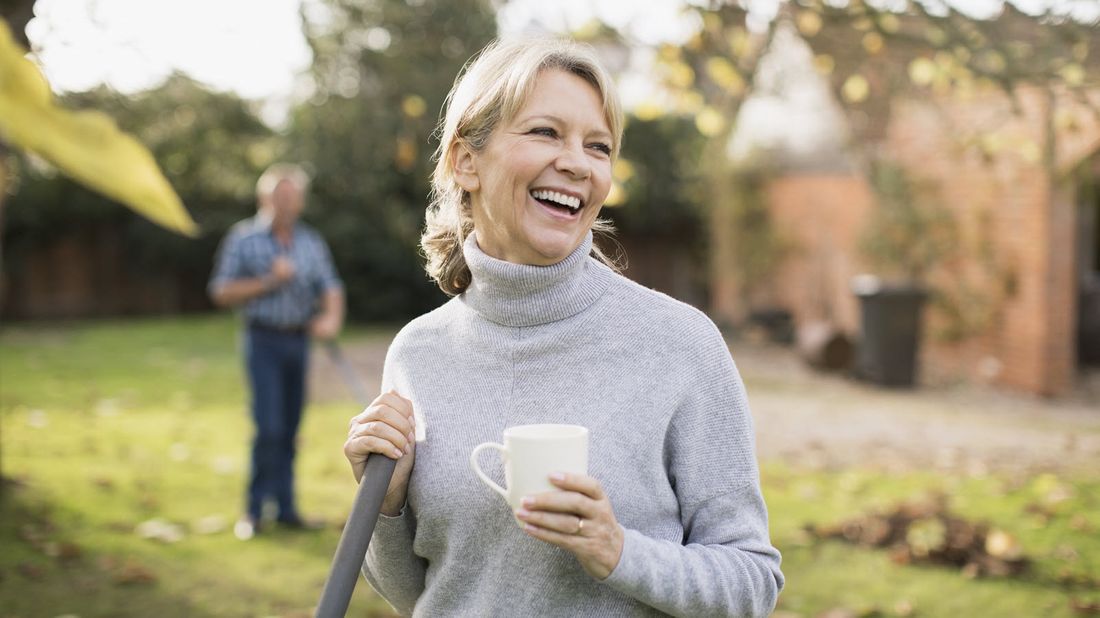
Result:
pixel 872 54
pixel 381 71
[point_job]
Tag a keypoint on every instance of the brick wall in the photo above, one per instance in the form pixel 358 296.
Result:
pixel 1012 286
pixel 1016 222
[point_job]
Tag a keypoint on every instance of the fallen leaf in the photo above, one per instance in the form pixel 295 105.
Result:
pixel 31 571
pixel 1003 545
pixel 211 524
pixel 837 612
pixel 159 530
pixel 1085 608
pixel 133 573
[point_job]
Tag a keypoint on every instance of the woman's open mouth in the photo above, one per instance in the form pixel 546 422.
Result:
pixel 567 204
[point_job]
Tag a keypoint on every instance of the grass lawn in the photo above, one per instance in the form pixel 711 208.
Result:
pixel 107 425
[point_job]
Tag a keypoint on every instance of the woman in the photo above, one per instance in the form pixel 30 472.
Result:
pixel 542 330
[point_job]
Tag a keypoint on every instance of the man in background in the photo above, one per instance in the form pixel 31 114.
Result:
pixel 280 272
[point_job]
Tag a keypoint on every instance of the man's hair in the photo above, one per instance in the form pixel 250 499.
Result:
pixel 277 173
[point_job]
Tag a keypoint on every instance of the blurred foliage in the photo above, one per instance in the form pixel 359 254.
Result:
pixel 381 71
pixel 872 52
pixel 212 148
pixel 909 234
pixel 658 171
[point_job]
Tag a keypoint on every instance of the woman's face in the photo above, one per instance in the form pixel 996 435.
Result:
pixel 541 179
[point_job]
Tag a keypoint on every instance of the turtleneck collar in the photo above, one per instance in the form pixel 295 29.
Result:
pixel 525 295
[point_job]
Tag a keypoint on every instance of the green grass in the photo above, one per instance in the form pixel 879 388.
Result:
pixel 109 424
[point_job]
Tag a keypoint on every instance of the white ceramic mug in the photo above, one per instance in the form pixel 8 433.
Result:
pixel 531 454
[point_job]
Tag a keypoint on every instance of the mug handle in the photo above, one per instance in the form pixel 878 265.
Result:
pixel 477 470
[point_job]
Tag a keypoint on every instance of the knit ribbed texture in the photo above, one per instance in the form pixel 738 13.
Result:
pixel 670 440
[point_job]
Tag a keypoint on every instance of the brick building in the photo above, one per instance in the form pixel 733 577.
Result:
pixel 1016 301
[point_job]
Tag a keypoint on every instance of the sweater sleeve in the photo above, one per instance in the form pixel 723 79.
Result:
pixel 391 567
pixel 726 564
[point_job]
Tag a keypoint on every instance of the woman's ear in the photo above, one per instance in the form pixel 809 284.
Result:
pixel 464 164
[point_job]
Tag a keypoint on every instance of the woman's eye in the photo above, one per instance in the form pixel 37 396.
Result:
pixel 600 146
pixel 545 131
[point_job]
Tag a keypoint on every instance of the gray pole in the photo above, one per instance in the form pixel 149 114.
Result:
pixel 359 527
pixel 352 549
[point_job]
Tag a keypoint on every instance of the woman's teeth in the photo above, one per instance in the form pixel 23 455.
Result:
pixel 558 199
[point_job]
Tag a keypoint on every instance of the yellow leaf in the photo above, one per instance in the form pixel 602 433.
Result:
pixel 689 102
pixel 669 52
pixel 889 22
pixel 935 36
pixel 725 75
pixel 85 145
pixel 622 170
pixel 922 71
pixel 710 122
pixel 680 75
pixel 855 89
pixel 992 61
pixel 739 42
pixel 873 43
pixel 1030 151
pixel 945 60
pixel 1080 51
pixel 589 30
pixel 648 110
pixel 824 64
pixel 404 156
pixel 413 106
pixel 1003 545
pixel 1073 74
pixel 615 197
pixel 809 22
pixel 1066 120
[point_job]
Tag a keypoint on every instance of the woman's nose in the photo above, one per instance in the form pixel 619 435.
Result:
pixel 571 161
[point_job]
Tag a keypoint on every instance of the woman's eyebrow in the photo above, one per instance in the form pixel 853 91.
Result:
pixel 600 133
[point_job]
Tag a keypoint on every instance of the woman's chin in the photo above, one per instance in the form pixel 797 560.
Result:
pixel 551 247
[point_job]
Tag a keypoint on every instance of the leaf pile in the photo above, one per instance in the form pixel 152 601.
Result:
pixel 924 532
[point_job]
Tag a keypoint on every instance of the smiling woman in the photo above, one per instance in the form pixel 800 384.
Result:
pixel 536 138
pixel 669 517
pixel 535 189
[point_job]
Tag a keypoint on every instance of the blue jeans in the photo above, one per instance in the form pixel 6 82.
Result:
pixel 276 363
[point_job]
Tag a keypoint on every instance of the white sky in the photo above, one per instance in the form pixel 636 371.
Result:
pixel 256 48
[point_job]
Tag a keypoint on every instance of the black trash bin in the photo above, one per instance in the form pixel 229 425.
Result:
pixel 889 331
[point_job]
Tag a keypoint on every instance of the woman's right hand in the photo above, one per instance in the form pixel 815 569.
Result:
pixel 386 426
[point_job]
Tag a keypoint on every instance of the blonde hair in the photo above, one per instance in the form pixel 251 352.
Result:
pixel 493 87
pixel 277 173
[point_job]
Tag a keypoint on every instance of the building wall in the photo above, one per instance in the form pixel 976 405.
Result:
pixel 986 160
pixel 821 217
pixel 1008 310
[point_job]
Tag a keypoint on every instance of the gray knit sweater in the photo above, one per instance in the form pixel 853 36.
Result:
pixel 671 441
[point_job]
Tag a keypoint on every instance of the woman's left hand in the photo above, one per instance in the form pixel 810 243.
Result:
pixel 577 519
